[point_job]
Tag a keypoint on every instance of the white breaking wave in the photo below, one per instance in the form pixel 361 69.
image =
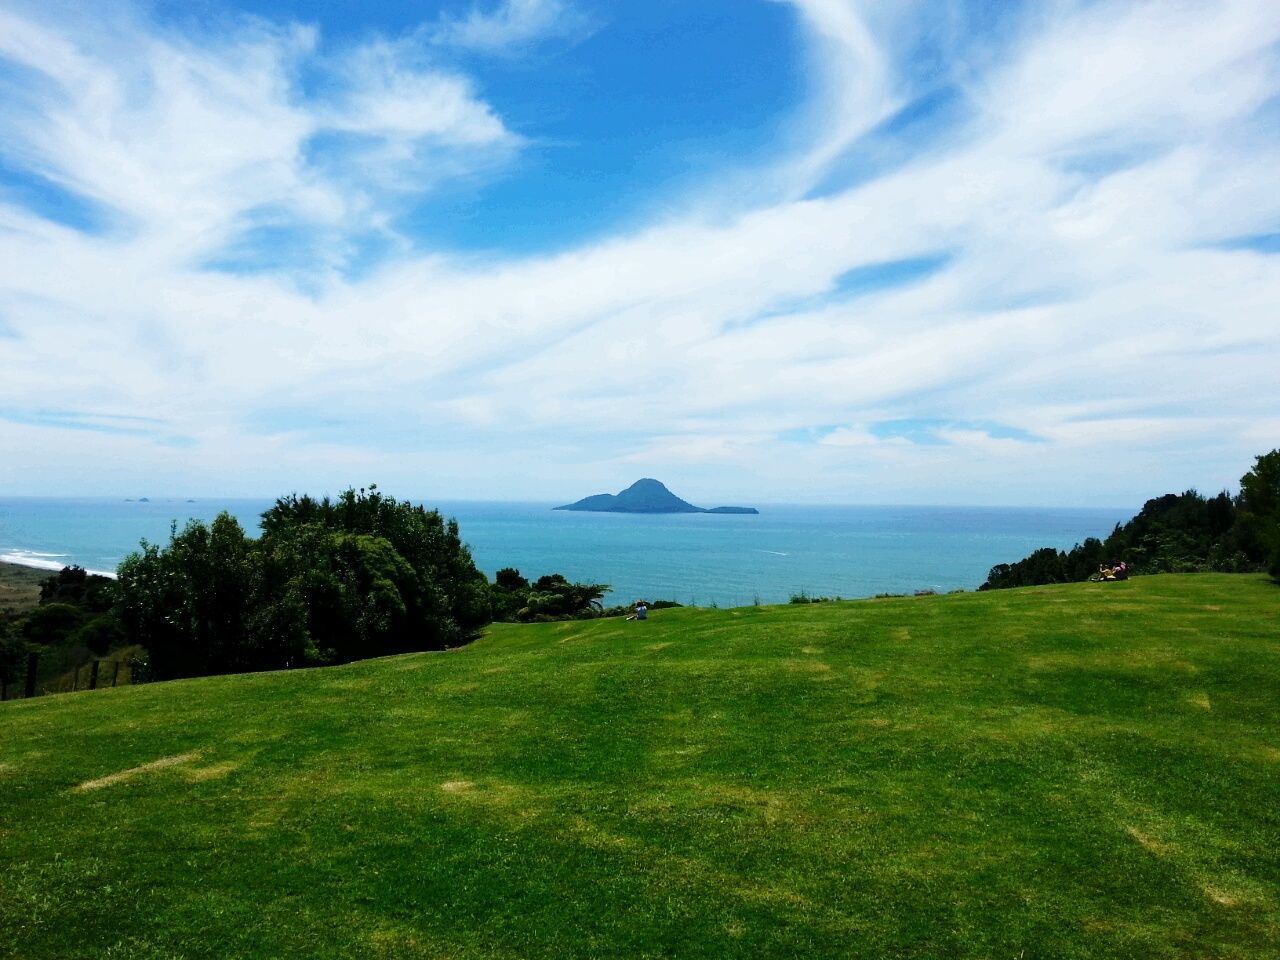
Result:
pixel 44 561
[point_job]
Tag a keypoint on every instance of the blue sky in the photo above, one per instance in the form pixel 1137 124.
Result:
pixel 765 250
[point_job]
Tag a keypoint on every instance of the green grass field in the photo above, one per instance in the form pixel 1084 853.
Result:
pixel 1089 770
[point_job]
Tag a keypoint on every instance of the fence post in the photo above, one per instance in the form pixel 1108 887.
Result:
pixel 93 675
pixel 33 664
pixel 115 674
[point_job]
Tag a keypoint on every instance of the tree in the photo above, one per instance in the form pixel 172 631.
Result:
pixel 508 578
pixel 189 604
pixel 77 586
pixel 1260 487
pixel 452 592
pixel 1260 511
pixel 1173 533
pixel 328 581
pixel 100 634
pixel 508 594
pixel 13 653
pixel 51 623
pixel 356 596
pixel 550 597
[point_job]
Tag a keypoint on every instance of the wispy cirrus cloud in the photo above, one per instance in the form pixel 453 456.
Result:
pixel 507 24
pixel 855 82
pixel 1039 270
pixel 194 140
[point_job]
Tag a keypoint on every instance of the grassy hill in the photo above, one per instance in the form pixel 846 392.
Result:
pixel 1080 771
pixel 20 586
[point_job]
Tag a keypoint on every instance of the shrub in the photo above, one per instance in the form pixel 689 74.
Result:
pixel 803 597
pixel 77 586
pixel 101 634
pixel 550 597
pixel 13 654
pixel 52 623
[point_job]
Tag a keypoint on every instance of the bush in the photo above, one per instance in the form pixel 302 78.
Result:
pixel 508 578
pixel 13 654
pixel 76 586
pixel 803 597
pixel 550 597
pixel 101 634
pixel 51 623
pixel 140 669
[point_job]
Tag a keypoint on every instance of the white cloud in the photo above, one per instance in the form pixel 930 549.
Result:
pixel 387 97
pixel 509 23
pixel 857 89
pixel 1134 70
pixel 177 136
pixel 189 140
pixel 859 437
pixel 1087 308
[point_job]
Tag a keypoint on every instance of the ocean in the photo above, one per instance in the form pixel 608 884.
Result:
pixel 699 559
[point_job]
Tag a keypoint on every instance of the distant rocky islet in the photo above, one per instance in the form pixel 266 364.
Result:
pixel 645 496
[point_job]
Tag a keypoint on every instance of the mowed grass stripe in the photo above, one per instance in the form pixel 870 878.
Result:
pixel 1090 770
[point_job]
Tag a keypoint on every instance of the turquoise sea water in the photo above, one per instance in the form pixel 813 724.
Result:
pixel 727 560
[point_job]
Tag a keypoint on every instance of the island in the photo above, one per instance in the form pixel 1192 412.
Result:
pixel 645 496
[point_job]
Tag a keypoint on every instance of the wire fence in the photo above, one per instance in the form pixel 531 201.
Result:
pixel 64 672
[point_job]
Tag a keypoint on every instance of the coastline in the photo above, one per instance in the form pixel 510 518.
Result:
pixel 846 551
pixel 44 562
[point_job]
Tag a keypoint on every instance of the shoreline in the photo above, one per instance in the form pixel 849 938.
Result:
pixel 45 562
pixel 733 562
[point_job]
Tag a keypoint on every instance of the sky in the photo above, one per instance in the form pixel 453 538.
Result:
pixel 809 251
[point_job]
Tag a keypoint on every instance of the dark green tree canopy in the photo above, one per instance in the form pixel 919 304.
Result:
pixel 327 582
pixel 51 622
pixel 77 586
pixel 1260 487
pixel 1175 533
pixel 550 597
pixel 1260 510
pixel 431 545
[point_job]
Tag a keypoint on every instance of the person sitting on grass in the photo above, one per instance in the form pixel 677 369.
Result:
pixel 1104 573
pixel 642 611
pixel 1121 571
